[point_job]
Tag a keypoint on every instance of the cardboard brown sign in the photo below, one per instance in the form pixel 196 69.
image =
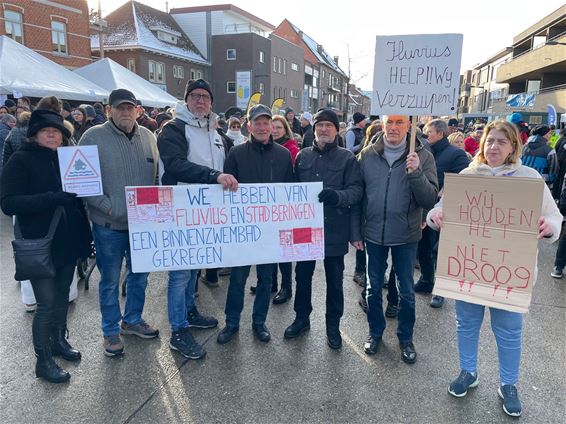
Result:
pixel 488 244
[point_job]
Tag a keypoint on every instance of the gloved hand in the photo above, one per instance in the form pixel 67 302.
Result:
pixel 63 198
pixel 329 197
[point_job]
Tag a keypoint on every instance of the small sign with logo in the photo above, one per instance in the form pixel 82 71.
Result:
pixel 80 170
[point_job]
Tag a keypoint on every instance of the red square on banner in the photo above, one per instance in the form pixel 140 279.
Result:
pixel 147 195
pixel 302 235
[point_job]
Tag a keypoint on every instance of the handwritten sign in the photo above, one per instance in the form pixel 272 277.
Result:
pixel 416 74
pixel 488 245
pixel 203 226
pixel 79 167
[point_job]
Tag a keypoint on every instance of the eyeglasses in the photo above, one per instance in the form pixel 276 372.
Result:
pixel 235 127
pixel 196 97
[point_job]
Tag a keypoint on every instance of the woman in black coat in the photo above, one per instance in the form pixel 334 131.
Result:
pixel 31 190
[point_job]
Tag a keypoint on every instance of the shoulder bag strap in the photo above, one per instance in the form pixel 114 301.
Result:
pixel 52 226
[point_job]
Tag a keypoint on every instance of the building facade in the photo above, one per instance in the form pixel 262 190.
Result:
pixel 149 43
pixel 57 29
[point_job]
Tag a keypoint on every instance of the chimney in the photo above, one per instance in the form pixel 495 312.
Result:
pixel 336 60
pixel 319 48
pixel 301 34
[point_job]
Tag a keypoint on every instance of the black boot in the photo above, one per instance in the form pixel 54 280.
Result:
pixel 61 347
pixel 47 368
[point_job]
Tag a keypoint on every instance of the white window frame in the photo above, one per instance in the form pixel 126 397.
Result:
pixel 261 56
pixel 61 36
pixel 160 70
pixel 178 71
pixel 294 94
pixel 14 24
pixel 132 65
pixel 228 86
pixel 295 67
pixel 275 64
pixel 261 88
pixel 151 70
pixel 230 56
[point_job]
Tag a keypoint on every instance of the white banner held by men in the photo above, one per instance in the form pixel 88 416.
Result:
pixel 416 74
pixel 79 167
pixel 488 244
pixel 203 226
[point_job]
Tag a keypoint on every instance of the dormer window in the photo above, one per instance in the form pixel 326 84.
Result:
pixel 164 34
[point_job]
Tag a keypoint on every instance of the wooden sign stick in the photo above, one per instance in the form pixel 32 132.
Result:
pixel 412 140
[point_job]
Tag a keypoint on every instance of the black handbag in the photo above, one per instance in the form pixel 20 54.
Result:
pixel 33 256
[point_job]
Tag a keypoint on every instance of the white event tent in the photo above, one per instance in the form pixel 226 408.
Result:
pixel 24 72
pixel 111 75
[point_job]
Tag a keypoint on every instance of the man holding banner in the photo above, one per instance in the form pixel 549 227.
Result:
pixel 191 152
pixel 260 160
pixel 399 184
pixel 339 171
pixel 507 290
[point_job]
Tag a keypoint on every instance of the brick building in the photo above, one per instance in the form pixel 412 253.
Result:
pixel 151 44
pixel 57 29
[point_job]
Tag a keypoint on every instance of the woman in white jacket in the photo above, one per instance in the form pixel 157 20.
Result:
pixel 499 155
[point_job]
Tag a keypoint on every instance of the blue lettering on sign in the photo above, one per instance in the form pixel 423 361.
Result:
pixel 199 198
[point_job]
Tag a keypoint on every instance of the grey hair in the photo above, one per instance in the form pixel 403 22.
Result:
pixel 7 118
pixel 439 125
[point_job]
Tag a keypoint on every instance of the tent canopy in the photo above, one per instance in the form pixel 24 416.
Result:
pixel 111 75
pixel 26 72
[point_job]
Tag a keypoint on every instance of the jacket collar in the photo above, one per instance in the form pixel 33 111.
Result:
pixel 379 144
pixel 440 145
pixel 183 113
pixel 260 146
pixel 327 147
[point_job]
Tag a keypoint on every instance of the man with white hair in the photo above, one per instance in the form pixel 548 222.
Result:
pixel 306 129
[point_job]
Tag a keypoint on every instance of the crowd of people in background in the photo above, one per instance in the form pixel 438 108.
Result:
pixel 359 163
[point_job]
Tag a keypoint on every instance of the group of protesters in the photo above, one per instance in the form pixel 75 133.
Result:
pixel 380 194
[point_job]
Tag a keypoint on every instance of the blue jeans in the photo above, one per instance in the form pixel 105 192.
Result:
pixel 180 297
pixel 111 248
pixel 404 257
pixel 508 330
pixel 235 297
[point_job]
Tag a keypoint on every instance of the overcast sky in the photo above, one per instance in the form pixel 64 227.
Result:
pixel 488 25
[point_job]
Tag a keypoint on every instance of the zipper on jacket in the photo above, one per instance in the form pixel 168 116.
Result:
pixel 385 205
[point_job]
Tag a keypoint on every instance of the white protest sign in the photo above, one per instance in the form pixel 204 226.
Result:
pixel 202 226
pixel 416 74
pixel 79 167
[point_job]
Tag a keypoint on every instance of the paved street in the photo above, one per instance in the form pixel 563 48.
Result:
pixel 301 380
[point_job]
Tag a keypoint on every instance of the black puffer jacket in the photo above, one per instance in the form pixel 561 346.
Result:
pixel 254 162
pixel 29 181
pixel 338 169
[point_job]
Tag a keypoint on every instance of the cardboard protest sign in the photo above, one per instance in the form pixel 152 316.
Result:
pixel 416 74
pixel 488 244
pixel 202 226
pixel 79 167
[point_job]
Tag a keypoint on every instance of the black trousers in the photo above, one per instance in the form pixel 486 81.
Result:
pixel 361 262
pixel 426 253
pixel 334 271
pixel 52 297
pixel 286 269
pixel 560 260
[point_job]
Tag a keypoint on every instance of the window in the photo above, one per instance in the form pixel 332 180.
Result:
pixel 274 64
pixel 231 87
pixel 196 74
pixel 151 70
pixel 13 25
pixel 280 66
pixel 178 71
pixel 294 94
pixel 59 37
pixel 295 67
pixel 261 57
pixel 132 65
pixel 261 88
pixel 284 67
pixel 169 38
pixel 230 54
pixel 160 72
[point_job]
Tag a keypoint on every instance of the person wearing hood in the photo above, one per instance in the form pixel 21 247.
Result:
pixel 234 131
pixel 192 152
pixel 306 130
pixel 293 121
pixel 537 154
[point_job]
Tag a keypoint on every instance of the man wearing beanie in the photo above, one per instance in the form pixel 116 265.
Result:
pixel 128 157
pixel 259 160
pixel 339 172
pixel 538 154
pixel 399 185
pixel 355 135
pixel 191 152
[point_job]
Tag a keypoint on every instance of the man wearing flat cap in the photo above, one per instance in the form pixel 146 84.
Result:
pixel 339 172
pixel 192 152
pixel 128 157
pixel 259 160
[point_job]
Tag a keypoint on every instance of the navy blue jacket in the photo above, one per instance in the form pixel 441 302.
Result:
pixel 448 158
